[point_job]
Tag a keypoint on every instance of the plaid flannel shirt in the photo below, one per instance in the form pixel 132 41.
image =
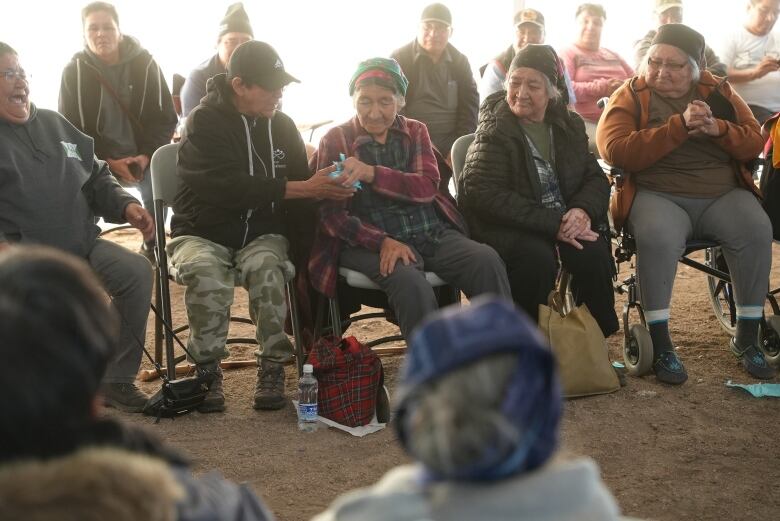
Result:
pixel 416 224
pixel 418 184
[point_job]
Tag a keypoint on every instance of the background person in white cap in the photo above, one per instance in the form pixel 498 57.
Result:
pixel 442 92
pixel 671 12
pixel 529 28
pixel 234 29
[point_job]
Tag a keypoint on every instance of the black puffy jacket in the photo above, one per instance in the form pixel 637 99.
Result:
pixel 499 191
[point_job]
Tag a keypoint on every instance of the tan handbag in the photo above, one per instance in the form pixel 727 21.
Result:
pixel 579 347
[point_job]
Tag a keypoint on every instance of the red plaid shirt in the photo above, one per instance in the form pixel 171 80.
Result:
pixel 419 184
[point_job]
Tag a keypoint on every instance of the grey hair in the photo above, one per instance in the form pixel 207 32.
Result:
pixel 457 417
pixel 400 99
pixel 553 94
pixel 695 68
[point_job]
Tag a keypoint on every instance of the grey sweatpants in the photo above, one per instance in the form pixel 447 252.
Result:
pixel 127 277
pixel 470 266
pixel 662 223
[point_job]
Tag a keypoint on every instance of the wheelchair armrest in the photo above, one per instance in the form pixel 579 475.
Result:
pixel 616 175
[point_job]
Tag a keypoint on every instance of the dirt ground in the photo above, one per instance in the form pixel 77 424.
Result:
pixel 701 451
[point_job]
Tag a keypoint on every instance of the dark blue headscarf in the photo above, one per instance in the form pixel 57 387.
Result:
pixel 455 337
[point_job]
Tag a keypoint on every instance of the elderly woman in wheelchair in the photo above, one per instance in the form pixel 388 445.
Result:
pixel 531 190
pixel 685 138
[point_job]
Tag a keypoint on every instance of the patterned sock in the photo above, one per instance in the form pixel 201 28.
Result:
pixel 747 332
pixel 662 340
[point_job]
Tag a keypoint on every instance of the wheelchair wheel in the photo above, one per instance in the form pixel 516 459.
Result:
pixel 638 351
pixel 721 293
pixel 770 339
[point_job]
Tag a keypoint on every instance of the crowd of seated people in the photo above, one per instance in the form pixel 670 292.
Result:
pixel 531 198
pixel 531 195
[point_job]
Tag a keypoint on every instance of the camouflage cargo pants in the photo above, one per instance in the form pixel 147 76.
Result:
pixel 210 271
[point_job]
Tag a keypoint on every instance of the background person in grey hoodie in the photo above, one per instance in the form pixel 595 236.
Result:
pixel 52 187
pixel 116 93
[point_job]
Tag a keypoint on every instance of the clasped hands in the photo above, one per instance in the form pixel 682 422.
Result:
pixel 575 227
pixel 699 119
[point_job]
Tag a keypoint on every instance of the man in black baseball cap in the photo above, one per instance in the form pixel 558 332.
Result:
pixel 239 160
pixel 258 63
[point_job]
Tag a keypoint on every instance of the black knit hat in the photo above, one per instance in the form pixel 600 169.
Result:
pixel 682 37
pixel 543 59
pixel 258 63
pixel 235 21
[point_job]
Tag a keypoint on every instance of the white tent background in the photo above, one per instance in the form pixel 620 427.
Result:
pixel 321 42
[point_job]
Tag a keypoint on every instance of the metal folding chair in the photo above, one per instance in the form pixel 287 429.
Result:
pixel 165 184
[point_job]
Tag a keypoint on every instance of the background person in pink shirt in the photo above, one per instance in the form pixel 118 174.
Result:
pixel 595 72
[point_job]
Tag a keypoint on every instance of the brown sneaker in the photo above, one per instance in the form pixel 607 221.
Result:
pixel 215 398
pixel 124 396
pixel 269 391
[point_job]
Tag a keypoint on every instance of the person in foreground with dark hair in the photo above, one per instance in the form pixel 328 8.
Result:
pixel 52 188
pixel 59 459
pixel 478 409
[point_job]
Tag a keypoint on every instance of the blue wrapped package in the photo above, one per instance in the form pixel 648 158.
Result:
pixel 340 169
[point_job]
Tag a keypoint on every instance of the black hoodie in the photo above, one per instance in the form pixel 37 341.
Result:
pixel 234 171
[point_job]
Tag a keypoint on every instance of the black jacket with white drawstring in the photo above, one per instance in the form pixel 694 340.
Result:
pixel 81 97
pixel 234 170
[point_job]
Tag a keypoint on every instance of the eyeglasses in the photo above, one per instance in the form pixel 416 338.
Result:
pixel 669 66
pixel 435 28
pixel 11 75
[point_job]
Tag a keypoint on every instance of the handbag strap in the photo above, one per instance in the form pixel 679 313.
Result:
pixel 133 118
pixel 555 302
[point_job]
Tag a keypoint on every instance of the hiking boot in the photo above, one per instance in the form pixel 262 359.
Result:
pixel 215 398
pixel 269 391
pixel 753 361
pixel 124 396
pixel 669 369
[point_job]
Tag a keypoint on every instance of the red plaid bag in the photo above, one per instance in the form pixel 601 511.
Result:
pixel 350 377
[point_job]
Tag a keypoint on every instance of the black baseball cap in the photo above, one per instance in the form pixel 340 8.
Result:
pixel 259 64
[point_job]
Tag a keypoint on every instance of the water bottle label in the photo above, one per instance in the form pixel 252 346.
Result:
pixel 308 411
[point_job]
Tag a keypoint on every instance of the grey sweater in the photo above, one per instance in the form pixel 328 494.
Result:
pixel 560 491
pixel 52 187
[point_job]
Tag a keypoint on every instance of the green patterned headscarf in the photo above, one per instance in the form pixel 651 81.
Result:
pixel 386 71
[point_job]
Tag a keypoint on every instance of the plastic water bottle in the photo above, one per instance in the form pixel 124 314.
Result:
pixel 307 400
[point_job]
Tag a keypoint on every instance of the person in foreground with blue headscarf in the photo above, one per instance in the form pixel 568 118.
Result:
pixel 479 409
